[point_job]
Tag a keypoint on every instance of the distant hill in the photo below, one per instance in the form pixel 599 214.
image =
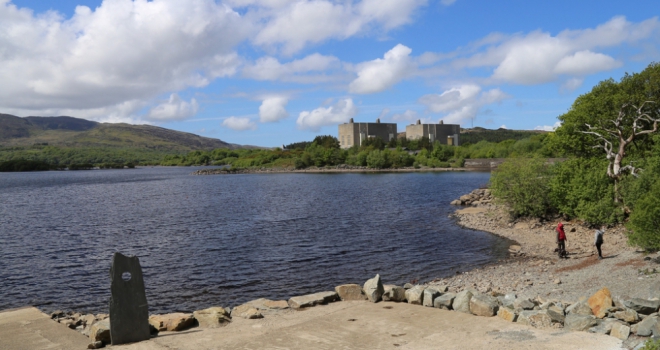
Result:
pixel 80 133
pixel 477 134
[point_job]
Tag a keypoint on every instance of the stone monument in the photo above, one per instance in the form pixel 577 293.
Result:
pixel 129 313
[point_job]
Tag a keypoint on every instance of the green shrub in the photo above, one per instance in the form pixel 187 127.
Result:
pixel 644 223
pixel 651 344
pixel 523 185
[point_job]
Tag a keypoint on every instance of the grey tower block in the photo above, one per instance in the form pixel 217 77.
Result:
pixel 129 312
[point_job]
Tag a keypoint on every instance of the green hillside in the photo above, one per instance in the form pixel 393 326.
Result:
pixel 474 135
pixel 67 140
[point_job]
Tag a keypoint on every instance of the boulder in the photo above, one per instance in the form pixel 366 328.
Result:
pixel 523 316
pixel 100 331
pixel 172 322
pixel 415 295
pixel 507 300
pixel 600 302
pixel 627 315
pixel 350 292
pixel 430 294
pixel 462 301
pixel 444 301
pixel 373 288
pixel 247 311
pixel 394 293
pixel 646 327
pixel 313 299
pixel 620 331
pixel 642 306
pixel 95 345
pixel 556 313
pixel 455 202
pixel 407 286
pixel 540 320
pixel 524 304
pixel 580 308
pixel 576 322
pixel 213 317
pixel 483 305
pixel 507 314
pixel 267 304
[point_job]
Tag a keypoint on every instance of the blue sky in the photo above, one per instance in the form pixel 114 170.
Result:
pixel 273 72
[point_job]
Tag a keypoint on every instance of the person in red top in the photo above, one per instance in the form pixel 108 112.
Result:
pixel 561 240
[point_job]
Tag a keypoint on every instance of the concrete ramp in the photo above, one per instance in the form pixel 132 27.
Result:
pixel 29 328
pixel 364 325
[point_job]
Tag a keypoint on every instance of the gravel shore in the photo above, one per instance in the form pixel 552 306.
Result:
pixel 534 269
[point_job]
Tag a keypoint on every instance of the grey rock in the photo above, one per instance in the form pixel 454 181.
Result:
pixel 394 293
pixel 444 301
pixel 374 290
pixel 95 345
pixel 646 327
pixel 350 292
pixel 213 317
pixel 540 320
pixel 313 299
pixel 576 322
pixel 100 331
pixel 580 308
pixel 628 315
pixel 246 311
pixel 129 312
pixel 430 294
pixel 620 331
pixel 415 295
pixel 524 315
pixel 507 300
pixel 483 305
pixel 462 301
pixel 642 306
pixel 556 313
pixel 524 304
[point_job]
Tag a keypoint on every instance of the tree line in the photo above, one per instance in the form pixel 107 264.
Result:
pixel 612 173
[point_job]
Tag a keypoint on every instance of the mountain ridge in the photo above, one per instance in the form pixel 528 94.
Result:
pixel 65 131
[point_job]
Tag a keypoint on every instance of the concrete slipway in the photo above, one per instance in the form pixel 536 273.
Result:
pixel 341 325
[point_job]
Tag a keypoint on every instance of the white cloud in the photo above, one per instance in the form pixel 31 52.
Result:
pixel 447 2
pixel 301 23
pixel 306 70
pixel 384 113
pixel 239 123
pixel 408 115
pixel 121 51
pixel 585 62
pixel 338 113
pixel 380 74
pixel 173 109
pixel 547 127
pixel 539 57
pixel 503 126
pixel 273 109
pixel 462 103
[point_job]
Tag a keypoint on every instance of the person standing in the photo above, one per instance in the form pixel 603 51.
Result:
pixel 598 241
pixel 561 240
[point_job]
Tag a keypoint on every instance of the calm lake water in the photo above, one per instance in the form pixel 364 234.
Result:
pixel 222 240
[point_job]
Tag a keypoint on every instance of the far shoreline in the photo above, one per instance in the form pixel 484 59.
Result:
pixel 338 169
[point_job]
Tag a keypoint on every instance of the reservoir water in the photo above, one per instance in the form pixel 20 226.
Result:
pixel 226 239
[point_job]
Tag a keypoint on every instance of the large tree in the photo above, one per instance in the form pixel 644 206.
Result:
pixel 615 117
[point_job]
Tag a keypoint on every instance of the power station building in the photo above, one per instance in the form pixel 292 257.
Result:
pixel 353 134
pixel 444 133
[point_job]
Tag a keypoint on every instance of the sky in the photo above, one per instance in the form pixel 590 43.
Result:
pixel 274 72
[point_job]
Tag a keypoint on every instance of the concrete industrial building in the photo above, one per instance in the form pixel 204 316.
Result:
pixel 445 133
pixel 353 134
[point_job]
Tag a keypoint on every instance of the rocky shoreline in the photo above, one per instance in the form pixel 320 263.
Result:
pixel 617 295
pixel 313 170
